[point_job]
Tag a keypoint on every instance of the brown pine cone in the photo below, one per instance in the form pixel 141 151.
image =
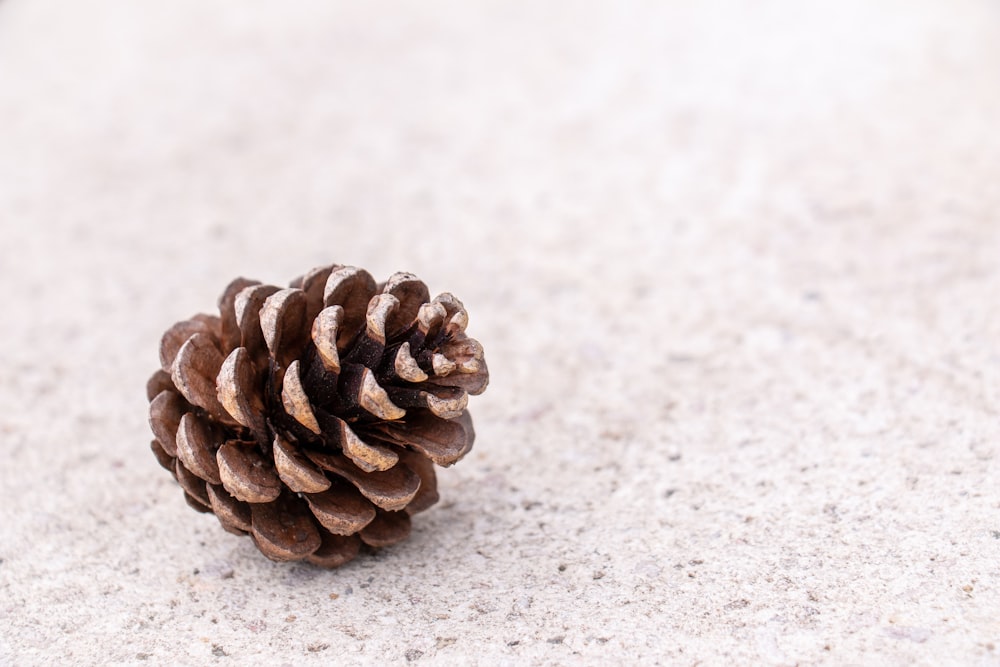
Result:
pixel 311 417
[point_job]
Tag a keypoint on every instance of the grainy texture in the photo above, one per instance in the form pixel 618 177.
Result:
pixel 735 265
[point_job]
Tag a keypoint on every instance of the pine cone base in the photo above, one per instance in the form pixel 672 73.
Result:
pixel 311 417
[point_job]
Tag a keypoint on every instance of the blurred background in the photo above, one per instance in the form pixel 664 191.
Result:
pixel 734 264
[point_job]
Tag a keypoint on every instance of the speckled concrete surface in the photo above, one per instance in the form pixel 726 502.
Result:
pixel 735 265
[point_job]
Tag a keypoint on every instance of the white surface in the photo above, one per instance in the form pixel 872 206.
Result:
pixel 735 266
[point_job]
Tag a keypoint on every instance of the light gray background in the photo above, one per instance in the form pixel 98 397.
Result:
pixel 735 266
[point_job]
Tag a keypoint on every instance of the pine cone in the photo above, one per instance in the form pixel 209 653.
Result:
pixel 311 417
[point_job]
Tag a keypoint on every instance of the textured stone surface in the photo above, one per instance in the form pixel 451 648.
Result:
pixel 735 266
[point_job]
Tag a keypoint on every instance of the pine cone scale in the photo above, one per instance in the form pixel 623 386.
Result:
pixel 283 531
pixel 165 460
pixel 387 529
pixel 350 288
pixel 411 293
pixel 427 495
pixel 324 334
pixel 295 399
pixel 174 339
pixel 248 305
pixel 230 334
pixel 341 509
pixel 282 321
pixel 195 448
pixel 368 456
pixel 233 514
pixel 196 504
pixel 246 475
pixel 442 441
pixel 296 471
pixel 158 383
pixel 165 413
pixel 313 284
pixel 391 489
pixel 194 371
pixel 405 367
pixel 335 550
pixel 193 485
pixel 235 391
